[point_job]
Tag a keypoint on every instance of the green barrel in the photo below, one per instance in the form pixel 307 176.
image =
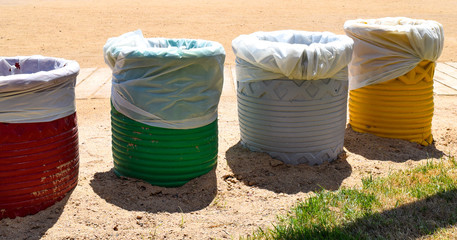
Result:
pixel 161 156
pixel 164 99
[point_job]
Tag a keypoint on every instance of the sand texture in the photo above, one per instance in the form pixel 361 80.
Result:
pixel 247 189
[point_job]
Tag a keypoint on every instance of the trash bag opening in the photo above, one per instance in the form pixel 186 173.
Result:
pixel 299 37
pixel 185 44
pixel 289 54
pixel 32 64
pixel 171 48
pixel 135 45
pixel 395 24
pixel 19 74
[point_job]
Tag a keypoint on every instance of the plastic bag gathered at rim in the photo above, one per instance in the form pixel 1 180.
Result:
pixel 289 54
pixel 36 88
pixel 387 48
pixel 167 83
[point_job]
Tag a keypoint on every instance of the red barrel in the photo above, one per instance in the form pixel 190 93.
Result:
pixel 39 159
pixel 39 164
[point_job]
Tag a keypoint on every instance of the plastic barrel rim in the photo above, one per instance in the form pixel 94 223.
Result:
pixel 400 108
pixel 161 156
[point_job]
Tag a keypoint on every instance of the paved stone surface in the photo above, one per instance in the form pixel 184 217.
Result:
pixel 96 82
pixel 445 78
pixel 91 82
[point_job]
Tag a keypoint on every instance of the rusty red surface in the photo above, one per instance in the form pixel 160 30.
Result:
pixel 39 164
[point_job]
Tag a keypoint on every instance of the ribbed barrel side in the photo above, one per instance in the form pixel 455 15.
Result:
pixel 39 164
pixel 161 156
pixel 400 108
pixel 294 121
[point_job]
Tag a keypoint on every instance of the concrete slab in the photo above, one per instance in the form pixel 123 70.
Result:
pixel 441 89
pixel 452 64
pixel 446 75
pixel 104 91
pixel 445 79
pixel 228 89
pixel 87 88
pixel 447 68
pixel 83 74
pixel 233 67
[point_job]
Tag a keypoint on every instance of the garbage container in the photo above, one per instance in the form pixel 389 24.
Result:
pixel 292 93
pixel 39 158
pixel 164 99
pixel 391 77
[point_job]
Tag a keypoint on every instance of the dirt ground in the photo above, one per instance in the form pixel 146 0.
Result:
pixel 246 190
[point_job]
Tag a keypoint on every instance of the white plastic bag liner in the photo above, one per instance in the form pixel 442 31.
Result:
pixel 288 54
pixel 36 88
pixel 387 48
pixel 168 83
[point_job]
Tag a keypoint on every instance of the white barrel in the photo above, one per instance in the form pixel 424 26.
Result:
pixel 292 93
pixel 294 121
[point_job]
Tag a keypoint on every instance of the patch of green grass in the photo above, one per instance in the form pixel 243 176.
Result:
pixel 408 204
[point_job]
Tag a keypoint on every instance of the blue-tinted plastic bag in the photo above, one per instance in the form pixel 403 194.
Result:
pixel 169 83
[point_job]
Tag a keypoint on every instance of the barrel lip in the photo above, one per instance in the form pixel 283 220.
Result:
pixel 298 55
pixel 171 48
pixel 390 24
pixel 35 72
pixel 319 38
pixel 133 45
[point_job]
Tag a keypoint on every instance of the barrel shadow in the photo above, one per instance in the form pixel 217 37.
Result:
pixel 137 195
pixel 373 147
pixel 33 226
pixel 260 170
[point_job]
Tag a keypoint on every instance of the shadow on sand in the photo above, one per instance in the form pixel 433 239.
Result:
pixel 137 195
pixel 33 226
pixel 385 149
pixel 260 170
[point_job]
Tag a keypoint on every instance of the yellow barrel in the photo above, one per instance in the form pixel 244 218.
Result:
pixel 399 108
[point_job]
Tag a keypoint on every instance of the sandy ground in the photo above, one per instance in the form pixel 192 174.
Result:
pixel 246 190
pixel 78 29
